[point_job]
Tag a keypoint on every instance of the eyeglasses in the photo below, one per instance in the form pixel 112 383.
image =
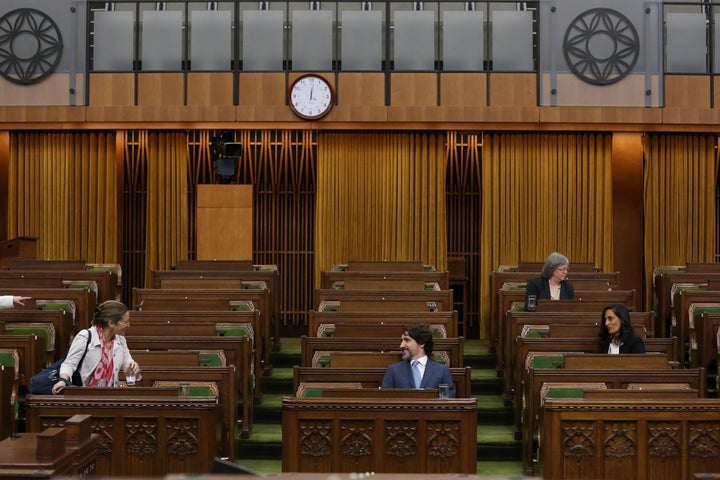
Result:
pixel 563 269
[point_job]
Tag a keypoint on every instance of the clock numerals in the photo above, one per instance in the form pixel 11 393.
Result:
pixel 311 97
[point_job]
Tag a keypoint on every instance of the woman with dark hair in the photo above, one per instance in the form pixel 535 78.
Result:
pixel 616 332
pixel 107 350
pixel 552 283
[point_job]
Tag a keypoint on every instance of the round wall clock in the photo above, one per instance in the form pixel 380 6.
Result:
pixel 310 97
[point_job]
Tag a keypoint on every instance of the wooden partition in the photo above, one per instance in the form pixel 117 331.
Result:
pixel 379 324
pixel 384 280
pixel 536 378
pixel 222 279
pixel 143 432
pixel 18 247
pixel 440 299
pixel 8 395
pixel 224 222
pixel 314 347
pixel 70 452
pixel 398 435
pixel 658 439
pixel 516 321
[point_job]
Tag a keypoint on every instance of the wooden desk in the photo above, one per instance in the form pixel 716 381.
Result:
pixel 384 436
pixel 620 439
pixel 71 451
pixel 143 432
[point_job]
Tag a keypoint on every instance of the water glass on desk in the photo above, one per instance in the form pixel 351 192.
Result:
pixel 443 390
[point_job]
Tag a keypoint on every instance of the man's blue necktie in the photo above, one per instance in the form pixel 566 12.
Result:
pixel 416 373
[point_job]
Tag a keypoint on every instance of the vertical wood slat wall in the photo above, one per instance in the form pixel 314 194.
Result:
pixel 280 164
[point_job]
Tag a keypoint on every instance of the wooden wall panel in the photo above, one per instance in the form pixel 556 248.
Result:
pixel 602 117
pixel 413 97
pixel 38 117
pixel 627 171
pixel 360 98
pixel 414 89
pixel 687 100
pixel 263 98
pixel 112 97
pixel 161 89
pixel 512 98
pixel 224 222
pixel 463 89
pixel 210 97
pixel 417 98
pixel 112 89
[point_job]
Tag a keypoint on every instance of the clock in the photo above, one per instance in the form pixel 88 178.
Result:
pixel 311 97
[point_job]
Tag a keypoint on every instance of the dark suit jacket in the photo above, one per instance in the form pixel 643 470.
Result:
pixel 399 375
pixel 540 287
pixel 634 344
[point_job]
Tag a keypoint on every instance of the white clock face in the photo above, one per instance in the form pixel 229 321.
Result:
pixel 311 97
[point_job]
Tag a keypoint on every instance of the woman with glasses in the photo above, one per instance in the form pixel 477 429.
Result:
pixel 100 357
pixel 552 283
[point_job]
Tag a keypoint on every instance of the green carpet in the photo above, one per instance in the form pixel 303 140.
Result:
pixel 494 469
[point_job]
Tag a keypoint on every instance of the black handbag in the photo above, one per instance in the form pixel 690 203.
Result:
pixel 42 382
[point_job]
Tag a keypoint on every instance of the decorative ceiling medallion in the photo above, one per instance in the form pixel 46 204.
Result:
pixel 30 46
pixel 601 46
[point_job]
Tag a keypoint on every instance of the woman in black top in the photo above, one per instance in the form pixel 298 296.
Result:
pixel 551 285
pixel 616 332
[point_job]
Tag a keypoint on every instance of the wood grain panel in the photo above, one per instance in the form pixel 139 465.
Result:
pixel 24 116
pixel 218 208
pixel 627 168
pixel 112 89
pixel 210 88
pixel 687 100
pixel 463 89
pixel 263 97
pixel 600 115
pixel 413 114
pixel 413 89
pixel 263 89
pixel 361 89
pixel 162 89
pixel 513 90
pixel 687 91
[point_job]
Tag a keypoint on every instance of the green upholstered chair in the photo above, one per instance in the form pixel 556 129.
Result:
pixel 242 305
pixel 212 358
pixel 195 388
pixel 46 331
pixel 64 305
pixel 329 306
pixel 535 331
pixel 235 330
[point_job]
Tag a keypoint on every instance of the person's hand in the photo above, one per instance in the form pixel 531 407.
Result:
pixel 58 387
pixel 17 300
pixel 133 367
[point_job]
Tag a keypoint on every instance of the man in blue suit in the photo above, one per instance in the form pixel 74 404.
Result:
pixel 417 370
